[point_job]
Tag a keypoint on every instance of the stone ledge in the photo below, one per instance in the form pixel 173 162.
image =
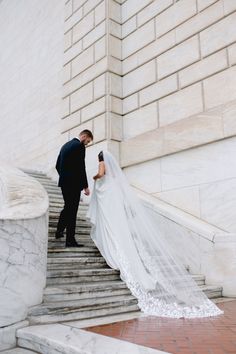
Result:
pixel 69 340
pixel 22 197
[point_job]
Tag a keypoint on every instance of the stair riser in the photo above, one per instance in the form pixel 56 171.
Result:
pixel 79 222
pixel 61 244
pixel 78 229
pixel 80 237
pixel 82 315
pixel 213 294
pixel 81 279
pixel 85 295
pixel 76 266
pixel 76 261
pixel 79 255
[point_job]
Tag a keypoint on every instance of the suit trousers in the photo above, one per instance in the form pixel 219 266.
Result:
pixel 67 219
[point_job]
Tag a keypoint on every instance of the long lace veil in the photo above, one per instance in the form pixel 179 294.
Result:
pixel 172 291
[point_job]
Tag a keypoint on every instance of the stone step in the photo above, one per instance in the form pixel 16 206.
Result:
pixel 81 215
pixel 18 351
pixel 62 244
pixel 79 228
pixel 73 305
pixel 199 279
pixel 67 292
pixel 81 276
pixel 85 243
pixel 67 311
pixel 76 260
pixel 34 173
pixel 58 205
pixel 66 339
pixel 212 291
pixel 78 236
pixel 80 222
pixel 75 266
pixel 72 252
pixel 81 273
pixel 48 183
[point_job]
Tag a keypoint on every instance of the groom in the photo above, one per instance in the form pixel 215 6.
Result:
pixel 70 166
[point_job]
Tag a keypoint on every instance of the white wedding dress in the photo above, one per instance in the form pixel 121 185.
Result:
pixel 130 241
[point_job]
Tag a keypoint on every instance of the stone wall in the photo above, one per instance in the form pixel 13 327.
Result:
pixel 31 45
pixel 179 107
pixel 92 90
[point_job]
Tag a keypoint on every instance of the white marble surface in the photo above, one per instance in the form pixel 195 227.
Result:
pixel 8 335
pixel 205 248
pixel 218 203
pixel 186 199
pixel 146 176
pixel 205 164
pixel 23 244
pixel 98 321
pixel 18 351
pixel 31 99
pixel 21 196
pixel 62 339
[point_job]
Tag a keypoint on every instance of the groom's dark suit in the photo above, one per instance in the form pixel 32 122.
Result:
pixel 70 166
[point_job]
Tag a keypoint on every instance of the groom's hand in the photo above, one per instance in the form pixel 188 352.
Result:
pixel 86 191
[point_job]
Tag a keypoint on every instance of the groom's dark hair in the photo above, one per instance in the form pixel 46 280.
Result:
pixel 87 132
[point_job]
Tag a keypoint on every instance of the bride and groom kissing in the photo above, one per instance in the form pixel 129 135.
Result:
pixel 128 238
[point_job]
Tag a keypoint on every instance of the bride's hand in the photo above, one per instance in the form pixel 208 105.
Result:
pixel 95 177
pixel 86 191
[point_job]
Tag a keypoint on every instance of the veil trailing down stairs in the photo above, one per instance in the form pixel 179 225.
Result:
pixel 80 285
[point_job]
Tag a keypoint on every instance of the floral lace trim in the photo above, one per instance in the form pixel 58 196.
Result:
pixel 154 306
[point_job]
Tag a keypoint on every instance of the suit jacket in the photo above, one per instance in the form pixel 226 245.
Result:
pixel 70 165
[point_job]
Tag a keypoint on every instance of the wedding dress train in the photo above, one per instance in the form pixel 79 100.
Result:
pixel 130 241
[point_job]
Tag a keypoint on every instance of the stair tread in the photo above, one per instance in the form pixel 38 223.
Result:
pixel 68 288
pixel 76 260
pixel 82 305
pixel 62 339
pixel 81 272
pixel 89 313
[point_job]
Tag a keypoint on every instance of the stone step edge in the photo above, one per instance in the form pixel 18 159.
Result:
pixel 64 339
pixel 84 304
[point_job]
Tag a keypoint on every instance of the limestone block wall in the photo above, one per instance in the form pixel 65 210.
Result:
pixel 92 90
pixel 31 46
pixel 179 78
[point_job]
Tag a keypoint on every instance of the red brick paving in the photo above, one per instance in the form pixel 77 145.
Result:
pixel 212 335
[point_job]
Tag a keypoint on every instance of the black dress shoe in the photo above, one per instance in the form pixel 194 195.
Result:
pixel 73 244
pixel 59 234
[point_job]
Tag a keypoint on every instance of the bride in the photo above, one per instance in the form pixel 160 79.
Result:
pixel 130 241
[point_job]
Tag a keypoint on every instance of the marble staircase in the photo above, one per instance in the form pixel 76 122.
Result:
pixel 80 285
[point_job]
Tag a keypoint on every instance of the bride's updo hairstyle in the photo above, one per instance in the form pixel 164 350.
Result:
pixel 100 156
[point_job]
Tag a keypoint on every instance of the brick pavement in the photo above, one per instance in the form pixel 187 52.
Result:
pixel 213 335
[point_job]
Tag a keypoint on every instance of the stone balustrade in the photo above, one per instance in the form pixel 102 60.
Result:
pixel 23 247
pixel 204 248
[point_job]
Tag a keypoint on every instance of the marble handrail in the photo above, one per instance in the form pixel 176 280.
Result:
pixel 203 247
pixel 20 195
pixel 23 243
